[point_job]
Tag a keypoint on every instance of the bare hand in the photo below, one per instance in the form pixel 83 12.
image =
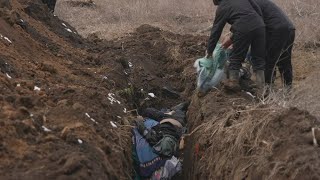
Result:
pixel 207 55
pixel 226 41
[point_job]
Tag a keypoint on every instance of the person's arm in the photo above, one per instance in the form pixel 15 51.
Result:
pixel 218 25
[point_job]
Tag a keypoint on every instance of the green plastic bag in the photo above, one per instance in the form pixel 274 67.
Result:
pixel 211 71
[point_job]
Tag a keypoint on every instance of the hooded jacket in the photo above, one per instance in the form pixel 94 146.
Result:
pixel 273 16
pixel 240 14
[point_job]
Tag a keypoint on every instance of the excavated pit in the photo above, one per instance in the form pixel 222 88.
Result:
pixel 61 96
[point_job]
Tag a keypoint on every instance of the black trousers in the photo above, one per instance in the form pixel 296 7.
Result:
pixel 279 52
pixel 241 43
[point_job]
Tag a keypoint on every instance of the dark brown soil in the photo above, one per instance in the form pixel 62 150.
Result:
pixel 47 133
pixel 65 129
pixel 240 140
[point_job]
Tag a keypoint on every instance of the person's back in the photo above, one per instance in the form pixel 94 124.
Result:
pixel 273 16
pixel 241 15
pixel 248 29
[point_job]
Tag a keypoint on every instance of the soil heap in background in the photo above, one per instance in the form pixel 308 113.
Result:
pixel 65 102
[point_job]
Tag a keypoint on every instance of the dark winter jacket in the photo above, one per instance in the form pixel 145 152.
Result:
pixel 274 18
pixel 240 14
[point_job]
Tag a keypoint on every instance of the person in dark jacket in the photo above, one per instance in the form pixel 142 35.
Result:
pixel 280 35
pixel 247 29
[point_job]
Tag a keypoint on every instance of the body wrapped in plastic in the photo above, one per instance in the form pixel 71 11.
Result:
pixel 211 71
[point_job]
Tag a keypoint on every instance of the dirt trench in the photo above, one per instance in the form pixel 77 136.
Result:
pixel 65 102
pixel 66 106
pixel 233 135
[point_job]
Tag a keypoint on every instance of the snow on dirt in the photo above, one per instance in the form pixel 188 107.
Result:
pixel 65 111
pixel 62 86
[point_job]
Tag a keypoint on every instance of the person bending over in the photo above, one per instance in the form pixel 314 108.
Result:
pixel 247 29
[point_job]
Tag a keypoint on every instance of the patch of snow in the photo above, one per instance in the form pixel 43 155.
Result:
pixel 45 129
pixel 112 99
pixel 119 117
pixel 130 64
pixel 5 38
pixel 250 94
pixel 152 95
pixel 104 77
pixel 18 85
pixel 93 120
pixel 8 40
pixel 113 124
pixel 8 76
pixel 125 110
pixel 80 141
pixel 87 115
pixel 69 30
pixel 63 24
pixel 36 88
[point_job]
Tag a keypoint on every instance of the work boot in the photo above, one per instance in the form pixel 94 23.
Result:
pixel 232 83
pixel 260 82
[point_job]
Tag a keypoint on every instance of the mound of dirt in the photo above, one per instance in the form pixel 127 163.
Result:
pixel 56 107
pixel 157 62
pixel 66 105
pixel 238 140
pixel 65 101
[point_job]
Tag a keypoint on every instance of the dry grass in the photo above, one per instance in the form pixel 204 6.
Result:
pixel 249 137
pixel 243 136
pixel 110 19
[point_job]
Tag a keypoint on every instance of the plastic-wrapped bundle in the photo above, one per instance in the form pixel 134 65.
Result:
pixel 211 71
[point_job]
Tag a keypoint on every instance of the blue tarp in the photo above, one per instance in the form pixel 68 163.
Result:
pixel 149 161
